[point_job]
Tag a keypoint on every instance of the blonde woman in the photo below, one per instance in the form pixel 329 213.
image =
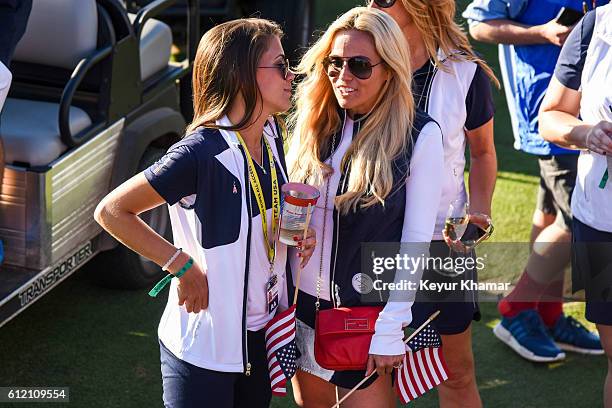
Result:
pixel 453 86
pixel 378 162
pixel 221 181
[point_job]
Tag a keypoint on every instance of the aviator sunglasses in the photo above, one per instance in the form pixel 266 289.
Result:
pixel 384 3
pixel 361 67
pixel 283 67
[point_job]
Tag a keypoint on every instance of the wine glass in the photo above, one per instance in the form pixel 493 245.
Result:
pixel 456 220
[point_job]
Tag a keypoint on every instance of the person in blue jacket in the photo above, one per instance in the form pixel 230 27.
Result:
pixel 530 38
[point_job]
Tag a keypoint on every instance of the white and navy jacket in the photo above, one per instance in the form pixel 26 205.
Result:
pixel 584 65
pixel 458 96
pixel 204 179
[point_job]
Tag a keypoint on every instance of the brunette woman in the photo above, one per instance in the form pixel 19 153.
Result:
pixel 222 183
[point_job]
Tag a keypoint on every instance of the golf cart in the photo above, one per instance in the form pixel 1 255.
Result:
pixel 295 16
pixel 95 99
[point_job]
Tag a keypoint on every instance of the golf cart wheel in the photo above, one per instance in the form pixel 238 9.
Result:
pixel 123 268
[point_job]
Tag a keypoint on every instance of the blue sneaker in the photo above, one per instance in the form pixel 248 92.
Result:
pixel 526 334
pixel 570 335
pixel 1 253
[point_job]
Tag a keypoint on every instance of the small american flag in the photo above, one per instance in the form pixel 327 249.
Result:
pixel 423 367
pixel 281 350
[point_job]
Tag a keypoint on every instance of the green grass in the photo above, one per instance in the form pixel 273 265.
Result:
pixel 103 344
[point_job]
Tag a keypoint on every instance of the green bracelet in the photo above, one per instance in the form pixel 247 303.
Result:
pixel 162 283
pixel 185 267
pixel 604 180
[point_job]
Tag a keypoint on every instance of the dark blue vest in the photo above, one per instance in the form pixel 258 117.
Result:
pixel 376 223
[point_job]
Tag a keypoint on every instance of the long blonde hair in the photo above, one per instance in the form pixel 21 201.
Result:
pixel 435 20
pixel 384 135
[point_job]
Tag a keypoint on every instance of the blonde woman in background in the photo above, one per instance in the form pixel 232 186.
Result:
pixel 378 162
pixel 452 85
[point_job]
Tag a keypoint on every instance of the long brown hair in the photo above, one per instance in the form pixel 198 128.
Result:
pixel 383 136
pixel 226 65
pixel 435 20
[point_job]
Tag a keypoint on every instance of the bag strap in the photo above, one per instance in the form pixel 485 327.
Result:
pixel 320 277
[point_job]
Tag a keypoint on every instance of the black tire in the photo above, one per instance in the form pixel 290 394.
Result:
pixel 122 268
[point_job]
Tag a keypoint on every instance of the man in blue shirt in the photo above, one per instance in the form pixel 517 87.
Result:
pixel 530 38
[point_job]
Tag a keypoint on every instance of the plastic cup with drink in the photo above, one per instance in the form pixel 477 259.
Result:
pixel 298 200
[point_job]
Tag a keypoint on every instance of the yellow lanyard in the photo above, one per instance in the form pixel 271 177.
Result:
pixel 259 197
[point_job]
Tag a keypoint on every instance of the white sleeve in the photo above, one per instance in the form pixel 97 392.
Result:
pixel 423 192
pixel 5 83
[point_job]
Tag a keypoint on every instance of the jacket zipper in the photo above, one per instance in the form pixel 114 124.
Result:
pixel 245 351
pixel 334 290
pixel 454 169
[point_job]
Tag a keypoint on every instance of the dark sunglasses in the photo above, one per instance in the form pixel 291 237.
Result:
pixel 384 3
pixel 361 67
pixel 283 67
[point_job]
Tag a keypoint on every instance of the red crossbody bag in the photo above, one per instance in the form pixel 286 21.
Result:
pixel 343 336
